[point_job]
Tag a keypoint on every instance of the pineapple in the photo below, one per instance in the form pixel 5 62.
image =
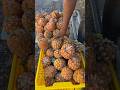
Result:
pixel 67 73
pixel 57 54
pixel 49 81
pixel 47 34
pixel 39 29
pixel 43 43
pixel 56 33
pixel 50 52
pixel 51 25
pixel 55 14
pixel 74 63
pixel 46 61
pixel 67 40
pixel 48 17
pixel 59 78
pixel 56 43
pixel 79 76
pixel 38 15
pixel 49 72
pixel 59 64
pixel 39 36
pixel 42 22
pixel 67 51
pixel 60 23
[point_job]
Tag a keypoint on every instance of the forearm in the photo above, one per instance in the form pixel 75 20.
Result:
pixel 69 6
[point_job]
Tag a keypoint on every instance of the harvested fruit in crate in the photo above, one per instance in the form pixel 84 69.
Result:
pixel 60 69
pixel 61 58
pixel 17 43
pixel 11 23
pixel 28 20
pixel 25 81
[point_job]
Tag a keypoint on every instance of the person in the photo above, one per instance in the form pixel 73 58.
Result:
pixel 68 7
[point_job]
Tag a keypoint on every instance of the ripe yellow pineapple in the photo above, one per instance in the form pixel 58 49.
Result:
pixel 57 54
pixel 67 73
pixel 74 63
pixel 56 43
pixel 67 51
pixel 59 64
pixel 79 76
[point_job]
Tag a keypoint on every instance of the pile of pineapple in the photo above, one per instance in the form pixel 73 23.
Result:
pixel 18 23
pixel 62 61
pixel 100 53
